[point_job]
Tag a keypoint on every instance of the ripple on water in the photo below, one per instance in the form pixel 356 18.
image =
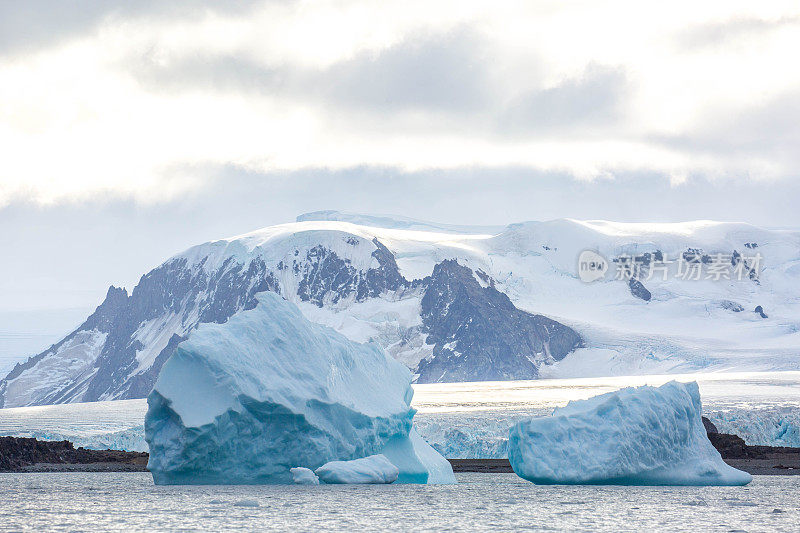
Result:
pixel 479 502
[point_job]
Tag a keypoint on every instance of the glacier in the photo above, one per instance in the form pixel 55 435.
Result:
pixel 375 469
pixel 635 436
pixel 244 401
pixel 469 420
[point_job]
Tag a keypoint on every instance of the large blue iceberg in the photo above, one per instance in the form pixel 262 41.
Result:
pixel 634 436
pixel 245 401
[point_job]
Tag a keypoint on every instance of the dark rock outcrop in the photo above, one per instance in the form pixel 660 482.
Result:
pixel 731 306
pixel 751 270
pixel 479 335
pixel 734 447
pixel 731 446
pixel 695 255
pixel 639 290
pixel 711 429
pixel 760 311
pixel 170 289
pixel 17 453
pixel 326 277
pixel 633 268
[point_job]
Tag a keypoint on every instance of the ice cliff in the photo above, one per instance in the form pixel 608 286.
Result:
pixel 244 401
pixel 634 436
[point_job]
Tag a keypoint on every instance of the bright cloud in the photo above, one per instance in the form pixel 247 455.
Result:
pixel 147 103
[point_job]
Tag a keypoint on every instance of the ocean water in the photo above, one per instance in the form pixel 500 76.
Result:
pixel 479 502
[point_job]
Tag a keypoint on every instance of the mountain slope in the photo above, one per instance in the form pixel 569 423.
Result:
pixel 452 304
pixel 466 321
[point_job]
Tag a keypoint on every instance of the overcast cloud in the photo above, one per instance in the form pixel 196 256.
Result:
pixel 131 130
pixel 105 98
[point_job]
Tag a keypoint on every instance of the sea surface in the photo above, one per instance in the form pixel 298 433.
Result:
pixel 479 502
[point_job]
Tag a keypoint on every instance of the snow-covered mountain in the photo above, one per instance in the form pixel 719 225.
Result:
pixel 457 303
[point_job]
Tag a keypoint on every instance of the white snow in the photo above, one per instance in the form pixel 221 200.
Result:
pixel 303 476
pixel 72 362
pixel 374 469
pixel 683 329
pixel 155 335
pixel 395 222
pixel 634 436
pixel 393 322
pixel 280 242
pixel 244 401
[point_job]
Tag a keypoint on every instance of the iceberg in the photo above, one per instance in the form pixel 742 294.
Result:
pixel 304 476
pixel 634 436
pixel 374 469
pixel 245 401
pixel 418 461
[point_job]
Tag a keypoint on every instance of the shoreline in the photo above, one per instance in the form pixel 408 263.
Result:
pixel 778 466
pixel 27 455
pixel 20 454
pixel 758 467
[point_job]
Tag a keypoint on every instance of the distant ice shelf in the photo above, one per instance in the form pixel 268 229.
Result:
pixel 467 420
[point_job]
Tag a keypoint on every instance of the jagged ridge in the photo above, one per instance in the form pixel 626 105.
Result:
pixel 180 294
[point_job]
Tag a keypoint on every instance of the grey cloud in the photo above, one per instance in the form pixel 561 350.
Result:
pixel 449 75
pixel 769 130
pixel 730 32
pixel 429 72
pixel 211 72
pixel 772 126
pixel 594 99
pixel 29 25
pixel 441 72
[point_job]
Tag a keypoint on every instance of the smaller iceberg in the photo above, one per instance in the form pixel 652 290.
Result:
pixel 303 476
pixel 375 469
pixel 634 436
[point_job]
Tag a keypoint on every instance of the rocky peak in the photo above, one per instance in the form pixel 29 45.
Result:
pixel 479 335
pixel 476 331
pixel 106 313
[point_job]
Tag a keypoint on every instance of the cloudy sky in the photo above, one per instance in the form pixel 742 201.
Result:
pixel 130 131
